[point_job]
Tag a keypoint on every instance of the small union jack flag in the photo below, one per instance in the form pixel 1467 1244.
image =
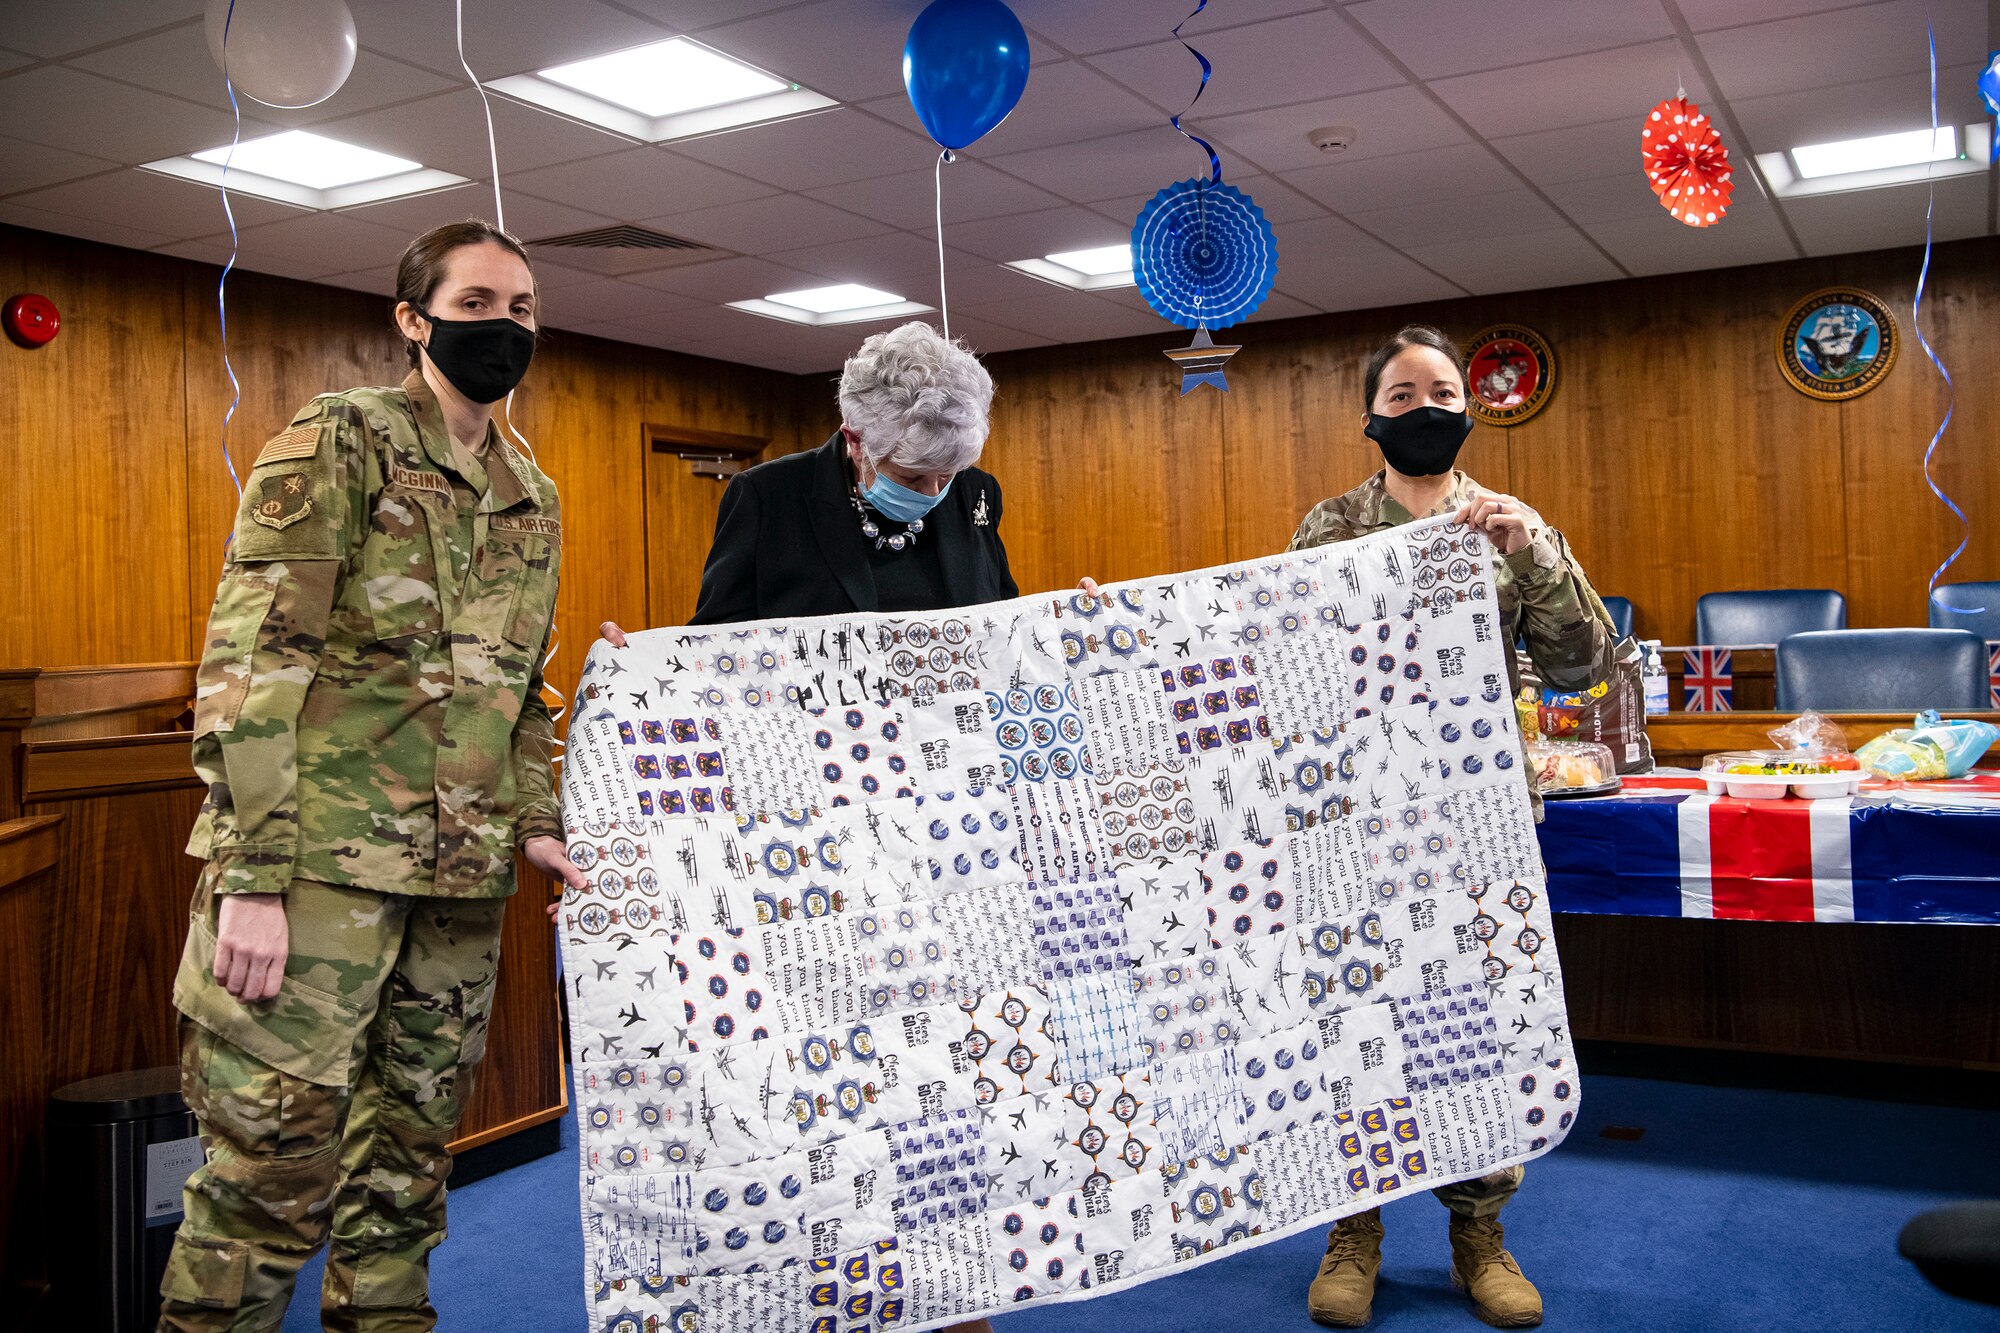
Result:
pixel 1993 672
pixel 1707 681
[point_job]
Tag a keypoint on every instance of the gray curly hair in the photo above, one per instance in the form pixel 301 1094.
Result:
pixel 917 400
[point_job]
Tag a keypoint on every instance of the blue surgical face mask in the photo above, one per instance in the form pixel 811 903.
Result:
pixel 900 503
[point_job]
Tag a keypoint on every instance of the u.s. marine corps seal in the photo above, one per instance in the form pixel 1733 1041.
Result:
pixel 286 500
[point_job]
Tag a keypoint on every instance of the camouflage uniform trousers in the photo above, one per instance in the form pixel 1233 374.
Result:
pixel 1482 1196
pixel 327 1110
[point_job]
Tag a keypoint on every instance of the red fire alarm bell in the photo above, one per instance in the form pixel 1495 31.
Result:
pixel 31 320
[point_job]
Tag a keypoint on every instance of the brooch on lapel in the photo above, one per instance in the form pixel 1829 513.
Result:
pixel 981 516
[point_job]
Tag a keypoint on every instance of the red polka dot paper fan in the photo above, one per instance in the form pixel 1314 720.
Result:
pixel 1685 162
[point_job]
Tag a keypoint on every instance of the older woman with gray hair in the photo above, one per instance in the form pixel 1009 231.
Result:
pixel 888 515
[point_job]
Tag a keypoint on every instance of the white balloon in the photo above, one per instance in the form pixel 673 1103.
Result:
pixel 284 53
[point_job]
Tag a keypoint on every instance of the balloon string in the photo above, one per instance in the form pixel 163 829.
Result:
pixel 492 147
pixel 937 181
pixel 557 703
pixel 1214 162
pixel 1916 318
pixel 222 283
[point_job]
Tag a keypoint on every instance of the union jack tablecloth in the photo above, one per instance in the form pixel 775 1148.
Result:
pixel 1664 847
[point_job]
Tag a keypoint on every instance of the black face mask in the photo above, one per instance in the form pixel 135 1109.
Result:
pixel 1422 442
pixel 483 358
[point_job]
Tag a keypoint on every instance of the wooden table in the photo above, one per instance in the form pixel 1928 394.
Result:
pixel 1681 740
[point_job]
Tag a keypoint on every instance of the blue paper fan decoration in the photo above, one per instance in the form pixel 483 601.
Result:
pixel 1204 254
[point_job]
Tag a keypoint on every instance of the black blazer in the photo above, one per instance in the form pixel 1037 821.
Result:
pixel 788 543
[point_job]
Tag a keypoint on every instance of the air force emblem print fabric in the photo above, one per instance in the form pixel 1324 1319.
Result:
pixel 933 965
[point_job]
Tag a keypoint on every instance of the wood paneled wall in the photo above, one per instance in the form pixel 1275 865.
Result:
pixel 1673 453
pixel 118 497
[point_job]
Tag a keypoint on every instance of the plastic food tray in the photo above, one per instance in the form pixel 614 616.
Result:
pixel 1774 786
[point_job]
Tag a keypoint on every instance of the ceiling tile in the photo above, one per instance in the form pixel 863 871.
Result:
pixel 276 263
pixel 66 108
pixel 849 49
pixel 175 208
pixel 374 281
pixel 325 242
pixel 1070 317
pixel 59 28
pixel 25 166
pixel 621 302
pixel 1280 306
pixel 502 37
pixel 1575 90
pixel 832 148
pixel 978 282
pixel 1063 103
pixel 1031 235
pixel 734 279
pixel 448 132
pixel 1109 24
pixel 897 262
pixel 763 226
pixel 527 216
pixel 14 59
pixel 1118 167
pixel 1519 261
pixel 1436 174
pixel 972 191
pixel 1705 14
pixel 695 15
pixel 1465 218
pixel 90 229
pixel 1331 266
pixel 1436 38
pixel 1834 224
pixel 640 183
pixel 1304 58
pixel 177 62
pixel 1647 245
pixel 1840 47
pixel 1576 152
pixel 1857 110
pixel 1388 121
pixel 985 337
pixel 1279 202
pixel 1610 198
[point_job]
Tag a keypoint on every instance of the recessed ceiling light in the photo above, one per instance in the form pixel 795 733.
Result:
pixel 836 299
pixel 675 89
pixel 1879 160
pixel 1097 263
pixel 308 170
pixel 1875 153
pixel 303 158
pixel 843 303
pixel 666 77
pixel 1083 270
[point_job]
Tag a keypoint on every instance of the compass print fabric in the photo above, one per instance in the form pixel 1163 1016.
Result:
pixel 929 967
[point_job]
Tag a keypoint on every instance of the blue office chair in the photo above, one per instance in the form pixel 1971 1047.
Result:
pixel 1767 615
pixel 1621 614
pixel 1882 671
pixel 1979 605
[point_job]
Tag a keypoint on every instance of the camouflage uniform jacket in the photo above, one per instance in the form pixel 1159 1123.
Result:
pixel 369 708
pixel 1545 600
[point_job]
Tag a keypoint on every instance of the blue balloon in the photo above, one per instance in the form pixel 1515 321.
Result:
pixel 1989 84
pixel 965 64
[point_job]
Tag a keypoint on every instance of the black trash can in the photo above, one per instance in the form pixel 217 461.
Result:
pixel 119 1149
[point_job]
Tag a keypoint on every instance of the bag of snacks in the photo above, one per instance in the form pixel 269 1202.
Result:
pixel 1611 713
pixel 1931 749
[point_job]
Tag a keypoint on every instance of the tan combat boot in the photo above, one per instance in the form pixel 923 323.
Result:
pixel 1343 1295
pixel 1482 1268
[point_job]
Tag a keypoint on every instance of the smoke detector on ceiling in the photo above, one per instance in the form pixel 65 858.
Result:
pixel 1331 138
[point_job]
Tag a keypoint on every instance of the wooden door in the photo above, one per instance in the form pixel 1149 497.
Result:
pixel 686 470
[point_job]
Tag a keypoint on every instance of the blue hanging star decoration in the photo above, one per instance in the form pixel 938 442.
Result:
pixel 1201 361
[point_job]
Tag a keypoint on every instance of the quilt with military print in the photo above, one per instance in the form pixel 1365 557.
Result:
pixel 933 965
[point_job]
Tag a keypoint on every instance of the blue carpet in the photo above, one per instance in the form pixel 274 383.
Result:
pixel 1736 1210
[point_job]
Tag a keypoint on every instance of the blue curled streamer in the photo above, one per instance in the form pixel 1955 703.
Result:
pixel 1214 162
pixel 1951 390
pixel 221 283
